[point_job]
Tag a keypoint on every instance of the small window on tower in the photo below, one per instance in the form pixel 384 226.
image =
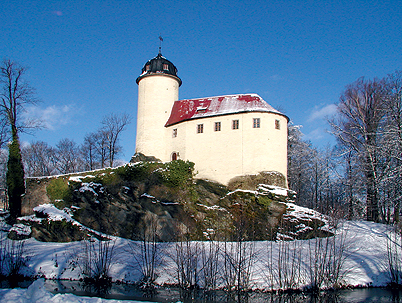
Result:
pixel 174 135
pixel 256 123
pixel 217 126
pixel 235 124
pixel 200 128
pixel 148 67
pixel 277 124
pixel 165 67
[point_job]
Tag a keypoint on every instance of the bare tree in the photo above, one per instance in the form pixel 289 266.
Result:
pixel 392 147
pixel 89 151
pixel 113 125
pixel 15 94
pixel 68 156
pixel 358 127
pixel 39 159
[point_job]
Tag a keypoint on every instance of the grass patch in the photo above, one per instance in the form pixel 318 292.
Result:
pixel 264 200
pixel 58 190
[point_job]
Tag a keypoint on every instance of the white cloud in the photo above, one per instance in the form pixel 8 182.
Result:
pixel 320 113
pixel 276 78
pixel 52 117
pixel 316 134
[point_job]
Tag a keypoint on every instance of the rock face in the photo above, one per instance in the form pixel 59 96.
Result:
pixel 144 199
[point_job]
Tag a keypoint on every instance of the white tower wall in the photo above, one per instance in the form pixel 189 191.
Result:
pixel 156 94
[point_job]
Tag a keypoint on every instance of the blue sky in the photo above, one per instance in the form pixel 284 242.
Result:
pixel 84 56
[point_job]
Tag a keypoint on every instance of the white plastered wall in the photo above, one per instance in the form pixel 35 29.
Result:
pixel 156 95
pixel 222 155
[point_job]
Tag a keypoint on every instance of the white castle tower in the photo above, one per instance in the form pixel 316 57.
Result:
pixel 158 89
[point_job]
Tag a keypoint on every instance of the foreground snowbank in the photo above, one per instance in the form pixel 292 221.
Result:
pixel 37 293
pixel 364 259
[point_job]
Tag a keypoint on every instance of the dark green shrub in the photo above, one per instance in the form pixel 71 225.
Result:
pixel 138 172
pixel 178 173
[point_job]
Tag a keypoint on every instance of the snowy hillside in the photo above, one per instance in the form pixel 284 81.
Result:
pixel 364 258
pixel 362 249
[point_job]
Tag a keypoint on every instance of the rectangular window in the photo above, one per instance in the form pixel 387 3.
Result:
pixel 200 128
pixel 277 124
pixel 256 123
pixel 165 67
pixel 174 135
pixel 217 126
pixel 235 124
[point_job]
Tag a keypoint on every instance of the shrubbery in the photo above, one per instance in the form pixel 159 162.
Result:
pixel 178 173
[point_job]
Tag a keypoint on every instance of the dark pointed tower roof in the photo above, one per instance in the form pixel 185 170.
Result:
pixel 159 65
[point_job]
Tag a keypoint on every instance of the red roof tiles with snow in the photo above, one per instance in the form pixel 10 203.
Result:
pixel 188 109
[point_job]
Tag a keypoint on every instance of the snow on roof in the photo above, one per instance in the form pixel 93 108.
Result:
pixel 188 109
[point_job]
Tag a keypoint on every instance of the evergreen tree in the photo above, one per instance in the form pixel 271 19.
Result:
pixel 15 178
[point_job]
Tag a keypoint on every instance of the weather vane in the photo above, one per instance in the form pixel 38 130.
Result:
pixel 160 44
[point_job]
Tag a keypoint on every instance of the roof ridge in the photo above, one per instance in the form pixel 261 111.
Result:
pixel 230 95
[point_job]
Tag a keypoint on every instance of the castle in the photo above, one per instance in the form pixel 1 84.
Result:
pixel 225 136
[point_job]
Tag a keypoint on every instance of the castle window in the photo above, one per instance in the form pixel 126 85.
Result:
pixel 256 123
pixel 217 126
pixel 174 134
pixel 148 67
pixel 200 128
pixel 277 124
pixel 235 124
pixel 174 156
pixel 165 67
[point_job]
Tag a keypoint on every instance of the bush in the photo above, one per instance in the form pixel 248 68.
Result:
pixel 12 259
pixel 138 172
pixel 96 260
pixel 178 173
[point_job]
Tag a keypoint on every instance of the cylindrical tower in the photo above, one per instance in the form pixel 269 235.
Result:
pixel 158 88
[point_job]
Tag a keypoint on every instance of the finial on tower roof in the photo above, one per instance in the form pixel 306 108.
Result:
pixel 160 44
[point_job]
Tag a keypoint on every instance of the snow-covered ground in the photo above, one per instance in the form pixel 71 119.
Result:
pixel 38 293
pixel 364 262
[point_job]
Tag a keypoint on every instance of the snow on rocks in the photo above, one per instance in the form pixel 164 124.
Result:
pixel 91 186
pixel 279 193
pixel 52 213
pixel 21 229
pixel 302 223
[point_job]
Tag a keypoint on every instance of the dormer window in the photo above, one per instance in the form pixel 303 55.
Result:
pixel 147 68
pixel 165 66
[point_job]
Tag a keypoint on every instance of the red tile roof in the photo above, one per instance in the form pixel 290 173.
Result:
pixel 188 109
